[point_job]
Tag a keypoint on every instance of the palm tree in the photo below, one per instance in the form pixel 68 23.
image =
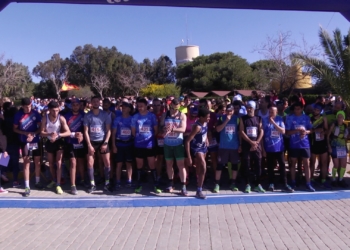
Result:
pixel 335 68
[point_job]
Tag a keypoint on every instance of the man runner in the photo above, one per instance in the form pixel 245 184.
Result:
pixel 54 127
pixel 27 124
pixel 76 149
pixel 97 130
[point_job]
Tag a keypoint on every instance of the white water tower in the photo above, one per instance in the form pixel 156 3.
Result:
pixel 186 53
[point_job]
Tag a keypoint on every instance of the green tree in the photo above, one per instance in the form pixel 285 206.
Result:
pixel 263 73
pixel 219 71
pixel 54 71
pixel 161 71
pixel 44 90
pixel 334 69
pixel 14 79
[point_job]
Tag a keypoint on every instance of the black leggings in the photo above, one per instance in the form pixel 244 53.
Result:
pixel 255 156
pixel 271 160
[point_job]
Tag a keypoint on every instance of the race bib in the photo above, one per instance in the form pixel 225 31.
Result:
pixel 145 129
pixel 172 135
pixel 318 136
pixel 230 129
pixel 78 146
pixel 341 152
pixel 252 132
pixel 212 142
pixel 299 127
pixel 275 133
pixel 161 142
pixel 32 146
pixel 125 132
pixel 95 129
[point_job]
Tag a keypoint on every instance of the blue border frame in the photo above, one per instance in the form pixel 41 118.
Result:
pixel 109 202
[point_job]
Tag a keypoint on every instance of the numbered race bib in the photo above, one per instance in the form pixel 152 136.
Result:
pixel 299 127
pixel 275 134
pixel 336 131
pixel 161 142
pixel 252 132
pixel 32 146
pixel 230 129
pixel 95 129
pixel 78 146
pixel 125 132
pixel 172 135
pixel 318 136
pixel 341 152
pixel 145 129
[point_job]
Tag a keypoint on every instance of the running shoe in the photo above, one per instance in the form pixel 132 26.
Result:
pixel 259 189
pixel 39 186
pixel 51 185
pixel 138 189
pixel 128 185
pixel 92 189
pixel 342 184
pixel 310 188
pixel 326 185
pixel 216 188
pixel 26 192
pixel 3 191
pixel 288 189
pixel 184 191
pixel 233 187
pixel 59 190
pixel 108 188
pixel 118 187
pixel 16 184
pixel 200 195
pixel 157 190
pixel 293 185
pixel 247 189
pixel 271 188
pixel 73 190
pixel 169 189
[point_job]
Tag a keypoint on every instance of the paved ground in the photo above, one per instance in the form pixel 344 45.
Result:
pixel 295 225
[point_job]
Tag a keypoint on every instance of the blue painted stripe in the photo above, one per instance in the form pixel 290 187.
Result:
pixel 88 202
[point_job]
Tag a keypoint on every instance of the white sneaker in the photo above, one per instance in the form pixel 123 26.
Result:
pixel 3 191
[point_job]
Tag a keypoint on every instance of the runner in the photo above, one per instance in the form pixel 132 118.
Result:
pixel 27 124
pixel 76 149
pixel 274 147
pixel 173 123
pixel 337 136
pixel 97 130
pixel 144 128
pixel 252 134
pixel 228 127
pixel 298 126
pixel 197 146
pixel 123 144
pixel 54 127
pixel 319 144
pixel 192 116
pixel 158 110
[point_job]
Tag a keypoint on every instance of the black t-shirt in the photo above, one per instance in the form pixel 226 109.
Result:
pixel 251 129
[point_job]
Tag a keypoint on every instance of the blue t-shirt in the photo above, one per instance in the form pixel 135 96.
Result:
pixel 292 123
pixel 123 136
pixel 229 138
pixel 27 122
pixel 118 113
pixel 144 126
pixel 75 124
pixel 273 140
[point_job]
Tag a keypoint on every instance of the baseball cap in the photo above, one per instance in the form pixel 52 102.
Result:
pixel 251 104
pixel 237 98
pixel 341 113
pixel 75 100
pixel 229 107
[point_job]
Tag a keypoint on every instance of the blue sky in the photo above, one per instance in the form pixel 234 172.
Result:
pixel 34 32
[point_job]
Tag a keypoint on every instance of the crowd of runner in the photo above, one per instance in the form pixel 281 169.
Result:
pixel 244 137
